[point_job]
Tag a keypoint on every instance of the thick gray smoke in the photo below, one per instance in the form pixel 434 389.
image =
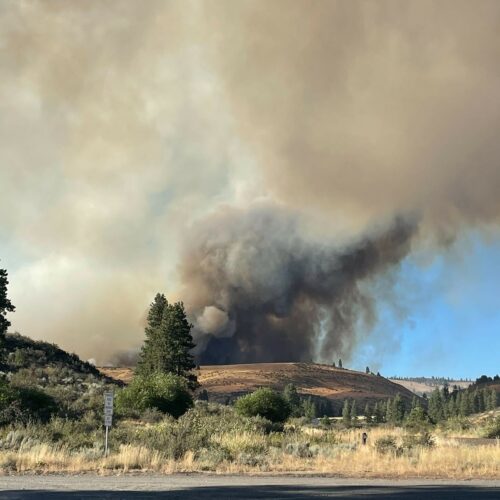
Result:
pixel 123 122
pixel 259 289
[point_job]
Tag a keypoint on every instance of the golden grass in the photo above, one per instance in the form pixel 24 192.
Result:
pixel 448 459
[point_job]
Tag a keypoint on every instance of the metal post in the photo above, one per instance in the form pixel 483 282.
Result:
pixel 106 443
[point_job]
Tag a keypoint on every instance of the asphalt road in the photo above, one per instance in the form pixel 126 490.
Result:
pixel 204 487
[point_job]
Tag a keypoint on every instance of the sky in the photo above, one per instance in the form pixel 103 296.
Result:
pixel 313 181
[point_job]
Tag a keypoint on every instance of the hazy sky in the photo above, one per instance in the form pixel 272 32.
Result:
pixel 126 125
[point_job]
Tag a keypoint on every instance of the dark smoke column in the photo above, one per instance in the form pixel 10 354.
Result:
pixel 257 290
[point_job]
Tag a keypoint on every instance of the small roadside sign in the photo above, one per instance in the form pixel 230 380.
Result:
pixel 108 400
pixel 108 417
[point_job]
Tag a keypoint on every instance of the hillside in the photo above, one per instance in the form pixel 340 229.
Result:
pixel 224 383
pixel 426 386
pixel 72 385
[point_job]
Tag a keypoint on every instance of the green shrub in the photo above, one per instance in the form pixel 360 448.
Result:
pixel 164 391
pixel 386 444
pixel 21 404
pixel 493 429
pixel 266 403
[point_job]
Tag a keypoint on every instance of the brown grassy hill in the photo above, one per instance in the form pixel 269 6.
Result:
pixel 420 388
pixel 224 383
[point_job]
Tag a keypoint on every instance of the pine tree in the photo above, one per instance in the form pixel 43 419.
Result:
pixel 292 396
pixel 168 342
pixel 354 412
pixel 340 363
pixel 176 330
pixel 5 304
pixel 152 352
pixel 368 414
pixel 346 413
pixel 379 412
pixel 367 371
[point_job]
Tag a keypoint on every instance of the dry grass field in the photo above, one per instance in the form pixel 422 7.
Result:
pixel 304 451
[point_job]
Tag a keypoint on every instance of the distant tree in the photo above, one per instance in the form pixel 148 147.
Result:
pixel 368 414
pixel 416 418
pixel 399 409
pixel 354 412
pixel 309 409
pixel 346 413
pixel 379 412
pixel 292 397
pixel 378 374
pixel 333 364
pixel 5 304
pixel 340 363
pixel 492 400
pixel 367 370
pixel 203 395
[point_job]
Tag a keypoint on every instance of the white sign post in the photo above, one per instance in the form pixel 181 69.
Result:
pixel 108 417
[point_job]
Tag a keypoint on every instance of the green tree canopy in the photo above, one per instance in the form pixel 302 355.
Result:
pixel 5 304
pixel 168 344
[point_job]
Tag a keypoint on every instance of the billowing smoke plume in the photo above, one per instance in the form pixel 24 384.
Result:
pixel 259 289
pixel 124 123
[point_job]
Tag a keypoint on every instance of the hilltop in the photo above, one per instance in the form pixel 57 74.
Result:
pixel 224 383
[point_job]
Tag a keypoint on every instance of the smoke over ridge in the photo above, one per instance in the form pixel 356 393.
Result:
pixel 238 156
pixel 276 295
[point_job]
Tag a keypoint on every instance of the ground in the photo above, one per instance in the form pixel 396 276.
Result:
pixel 200 487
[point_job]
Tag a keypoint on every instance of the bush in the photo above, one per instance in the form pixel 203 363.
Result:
pixel 166 392
pixel 21 404
pixel 493 430
pixel 266 403
pixel 386 444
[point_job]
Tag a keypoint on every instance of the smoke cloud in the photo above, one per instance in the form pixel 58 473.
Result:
pixel 262 291
pixel 251 158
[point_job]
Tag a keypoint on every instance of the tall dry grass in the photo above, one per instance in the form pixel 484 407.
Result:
pixel 325 452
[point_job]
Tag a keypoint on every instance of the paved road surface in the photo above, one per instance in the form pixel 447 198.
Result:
pixel 204 487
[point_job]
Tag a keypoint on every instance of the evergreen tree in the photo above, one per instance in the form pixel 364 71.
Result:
pixel 368 414
pixel 292 397
pixel 176 330
pixel 340 363
pixel 379 412
pixel 308 408
pixel 436 406
pixel 168 344
pixel 389 411
pixel 367 371
pixel 346 413
pixel 5 304
pixel 354 412
pixel 153 349
pixel 398 410
pixel 491 400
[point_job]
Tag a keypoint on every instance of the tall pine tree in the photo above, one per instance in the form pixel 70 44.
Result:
pixel 5 304
pixel 152 352
pixel 168 344
pixel 179 342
